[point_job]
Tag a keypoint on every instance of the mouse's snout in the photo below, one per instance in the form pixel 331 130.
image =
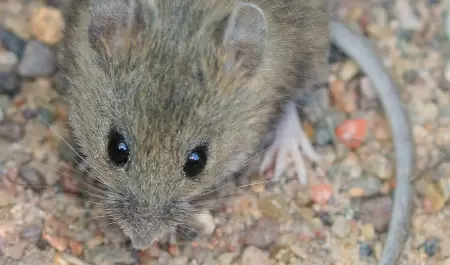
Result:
pixel 145 221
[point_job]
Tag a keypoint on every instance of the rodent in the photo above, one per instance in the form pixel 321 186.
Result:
pixel 170 98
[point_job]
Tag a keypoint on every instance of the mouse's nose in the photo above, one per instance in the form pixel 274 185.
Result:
pixel 141 239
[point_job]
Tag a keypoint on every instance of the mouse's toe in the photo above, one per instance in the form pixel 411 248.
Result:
pixel 290 146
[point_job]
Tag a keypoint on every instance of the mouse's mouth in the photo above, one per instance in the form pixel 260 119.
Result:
pixel 142 237
pixel 143 224
pixel 140 240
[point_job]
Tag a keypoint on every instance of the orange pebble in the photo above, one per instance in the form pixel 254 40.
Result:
pixel 321 193
pixel 76 247
pixel 352 132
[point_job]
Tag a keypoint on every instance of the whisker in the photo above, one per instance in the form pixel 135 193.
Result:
pixel 50 153
pixel 73 149
pixel 53 131
pixel 230 183
pixel 186 233
pixel 64 173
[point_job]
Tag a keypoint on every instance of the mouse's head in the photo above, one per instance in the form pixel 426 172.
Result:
pixel 165 103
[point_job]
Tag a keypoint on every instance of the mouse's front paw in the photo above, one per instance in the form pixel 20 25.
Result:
pixel 290 144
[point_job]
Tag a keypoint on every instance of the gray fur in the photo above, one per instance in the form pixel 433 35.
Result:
pixel 135 65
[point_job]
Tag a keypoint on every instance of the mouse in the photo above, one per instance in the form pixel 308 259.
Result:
pixel 169 99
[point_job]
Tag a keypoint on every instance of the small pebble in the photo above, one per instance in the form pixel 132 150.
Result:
pixel 206 220
pixel 321 193
pixel 179 261
pixel 64 258
pixel 347 71
pixel 46 115
pixel 411 76
pixel 8 61
pixel 406 16
pixel 163 258
pixel 76 247
pixel 19 25
pixel 17 250
pixel 378 250
pixel 431 246
pixel 227 258
pixel 173 250
pixel 447 72
pixel 368 92
pixel 274 206
pixel 29 113
pixel 367 184
pixel 58 243
pixel 154 251
pixel 299 251
pixel 444 250
pixel 10 131
pixel 31 233
pixel 281 254
pixel 343 98
pixel 69 183
pixel 263 234
pixel 365 250
pixel 379 165
pixel 12 42
pixel 368 232
pixel 443 84
pixel 336 54
pixel 2 115
pixel 381 16
pixel 38 60
pixel 113 255
pixel 352 132
pixel 4 101
pixel 341 227
pixel 41 244
pixel 9 83
pixel 5 199
pixel 434 199
pixel 33 178
pixel 429 112
pixel 322 135
pixel 47 25
pixel 326 218
pixel 253 255
pixel 94 242
pixel 377 31
pixel 377 211
pixel 303 198
pixel 381 130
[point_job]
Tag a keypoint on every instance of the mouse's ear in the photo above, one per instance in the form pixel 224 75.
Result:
pixel 111 20
pixel 244 35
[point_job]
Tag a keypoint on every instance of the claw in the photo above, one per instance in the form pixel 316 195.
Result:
pixel 289 139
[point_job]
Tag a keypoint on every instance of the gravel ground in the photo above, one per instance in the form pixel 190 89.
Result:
pixel 46 217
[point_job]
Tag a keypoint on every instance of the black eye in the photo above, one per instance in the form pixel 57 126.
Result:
pixel 196 161
pixel 118 151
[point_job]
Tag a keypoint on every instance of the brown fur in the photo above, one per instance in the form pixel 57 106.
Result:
pixel 145 82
